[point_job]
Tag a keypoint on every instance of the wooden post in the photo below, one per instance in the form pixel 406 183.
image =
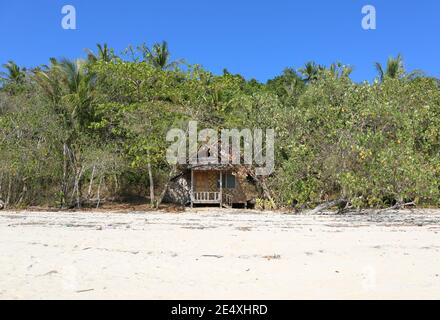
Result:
pixel 192 188
pixel 221 188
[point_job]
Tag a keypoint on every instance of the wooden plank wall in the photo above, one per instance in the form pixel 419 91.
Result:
pixel 206 181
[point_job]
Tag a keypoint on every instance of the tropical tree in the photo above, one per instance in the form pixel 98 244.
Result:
pixel 74 122
pixel 70 87
pixel 104 53
pixel 69 80
pixel 135 109
pixel 394 69
pixel 288 85
pixel 159 56
pixel 339 70
pixel 310 71
pixel 13 74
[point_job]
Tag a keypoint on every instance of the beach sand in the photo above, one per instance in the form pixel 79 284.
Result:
pixel 219 254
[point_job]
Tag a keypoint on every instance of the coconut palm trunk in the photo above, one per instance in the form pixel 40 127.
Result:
pixel 150 177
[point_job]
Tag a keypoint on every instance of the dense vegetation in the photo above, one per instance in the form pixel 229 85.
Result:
pixel 73 131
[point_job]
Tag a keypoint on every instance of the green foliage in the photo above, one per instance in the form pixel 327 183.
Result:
pixel 13 74
pixel 80 130
pixel 371 144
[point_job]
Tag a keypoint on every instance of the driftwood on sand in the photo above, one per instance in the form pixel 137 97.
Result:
pixel 398 206
pixel 342 204
pixel 328 205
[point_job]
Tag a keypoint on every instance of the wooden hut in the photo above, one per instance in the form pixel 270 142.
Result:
pixel 205 183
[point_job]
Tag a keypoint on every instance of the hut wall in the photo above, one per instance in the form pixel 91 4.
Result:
pixel 206 181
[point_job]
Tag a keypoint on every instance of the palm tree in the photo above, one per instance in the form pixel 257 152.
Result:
pixel 394 69
pixel 104 54
pixel 71 76
pixel 13 74
pixel 159 56
pixel 311 71
pixel 70 87
pixel 48 77
pixel 287 85
pixel 338 70
pixel 77 86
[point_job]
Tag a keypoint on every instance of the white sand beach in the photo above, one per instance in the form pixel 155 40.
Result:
pixel 213 254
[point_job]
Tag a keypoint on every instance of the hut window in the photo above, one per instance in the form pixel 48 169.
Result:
pixel 228 181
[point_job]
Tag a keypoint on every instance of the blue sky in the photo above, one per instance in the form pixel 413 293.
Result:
pixel 255 38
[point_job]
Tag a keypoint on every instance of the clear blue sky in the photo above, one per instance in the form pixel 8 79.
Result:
pixel 255 38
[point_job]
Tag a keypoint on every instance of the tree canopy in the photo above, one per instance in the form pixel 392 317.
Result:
pixel 74 130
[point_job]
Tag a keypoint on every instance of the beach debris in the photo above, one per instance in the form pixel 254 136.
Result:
pixel 52 272
pixel 212 256
pixel 272 257
pixel 85 290
pixel 327 205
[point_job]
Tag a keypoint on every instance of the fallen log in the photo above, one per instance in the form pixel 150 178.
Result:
pixel 328 205
pixel 398 206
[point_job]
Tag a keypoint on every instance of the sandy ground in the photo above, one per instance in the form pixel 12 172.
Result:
pixel 212 254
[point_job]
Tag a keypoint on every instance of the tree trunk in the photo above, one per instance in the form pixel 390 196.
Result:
pixel 164 191
pixel 264 187
pixel 78 177
pixel 2 204
pixel 150 176
pixel 64 182
pixel 23 192
pixel 99 193
pixel 116 185
pixel 1 186
pixel 8 197
pixel 267 194
pixel 89 192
